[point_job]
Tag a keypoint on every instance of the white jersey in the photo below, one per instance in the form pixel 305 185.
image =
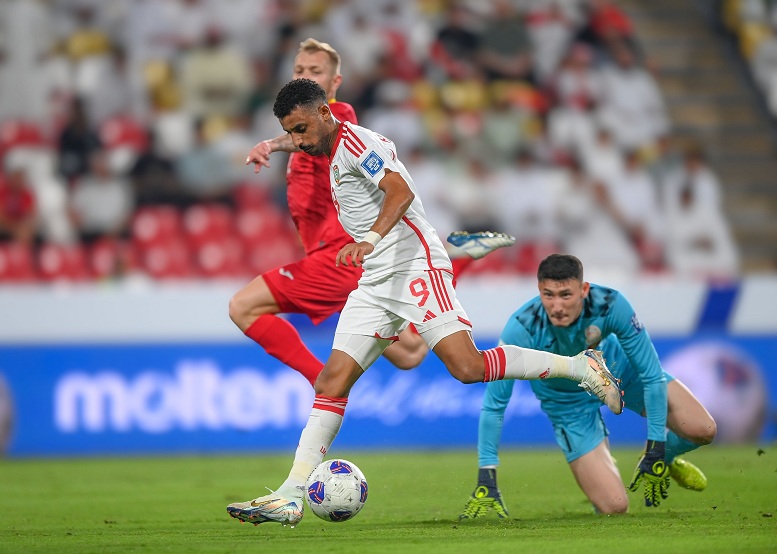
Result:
pixel 357 164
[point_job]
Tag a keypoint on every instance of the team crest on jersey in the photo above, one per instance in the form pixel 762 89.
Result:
pixel 336 171
pixel 636 323
pixel 373 163
pixel 592 335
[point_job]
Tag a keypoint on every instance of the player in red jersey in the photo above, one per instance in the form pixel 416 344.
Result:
pixel 315 286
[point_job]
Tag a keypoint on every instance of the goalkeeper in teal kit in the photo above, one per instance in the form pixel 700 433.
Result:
pixel 568 316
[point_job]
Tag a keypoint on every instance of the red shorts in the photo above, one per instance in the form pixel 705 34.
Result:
pixel 313 286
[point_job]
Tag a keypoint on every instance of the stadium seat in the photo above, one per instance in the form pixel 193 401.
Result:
pixel 251 195
pixel 20 134
pixel 16 263
pixel 156 224
pixel 109 258
pixel 259 224
pixel 530 254
pixel 206 222
pixel 124 138
pixel 170 259
pixel 266 255
pixel 221 258
pixel 57 262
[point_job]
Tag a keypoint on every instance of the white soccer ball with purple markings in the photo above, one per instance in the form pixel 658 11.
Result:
pixel 336 490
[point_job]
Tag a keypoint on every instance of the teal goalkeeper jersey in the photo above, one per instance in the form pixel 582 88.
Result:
pixel 605 312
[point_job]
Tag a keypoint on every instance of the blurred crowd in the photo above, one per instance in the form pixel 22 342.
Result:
pixel 125 124
pixel 754 24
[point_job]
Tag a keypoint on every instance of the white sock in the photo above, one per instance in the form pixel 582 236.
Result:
pixel 515 362
pixel 317 436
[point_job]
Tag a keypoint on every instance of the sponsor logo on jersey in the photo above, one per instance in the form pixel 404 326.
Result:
pixel 429 315
pixel 286 273
pixel 592 335
pixel 336 171
pixel 636 323
pixel 372 163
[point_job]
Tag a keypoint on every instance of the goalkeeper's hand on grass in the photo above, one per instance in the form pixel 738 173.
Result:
pixel 653 472
pixel 482 501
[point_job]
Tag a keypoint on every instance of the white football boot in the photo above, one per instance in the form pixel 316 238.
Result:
pixel 477 245
pixel 599 381
pixel 271 507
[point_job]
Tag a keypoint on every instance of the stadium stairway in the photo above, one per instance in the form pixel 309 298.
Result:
pixel 713 102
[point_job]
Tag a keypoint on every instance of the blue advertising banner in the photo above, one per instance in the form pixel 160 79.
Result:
pixel 80 399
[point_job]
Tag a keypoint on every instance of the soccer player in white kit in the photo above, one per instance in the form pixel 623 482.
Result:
pixel 407 279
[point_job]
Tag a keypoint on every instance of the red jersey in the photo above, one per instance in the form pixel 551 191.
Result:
pixel 309 197
pixel 17 203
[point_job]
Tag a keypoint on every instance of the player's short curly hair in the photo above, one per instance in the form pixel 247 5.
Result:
pixel 299 92
pixel 560 267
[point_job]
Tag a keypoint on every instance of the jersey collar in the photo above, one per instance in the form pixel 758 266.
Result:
pixel 340 131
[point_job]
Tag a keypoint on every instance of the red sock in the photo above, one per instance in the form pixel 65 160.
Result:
pixel 330 404
pixel 281 340
pixel 460 265
pixel 495 362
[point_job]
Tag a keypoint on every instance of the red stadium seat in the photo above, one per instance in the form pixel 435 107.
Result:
pixel 123 138
pixel 221 257
pixel 530 254
pixel 111 258
pixel 15 133
pixel 156 224
pixel 123 131
pixel 58 262
pixel 206 222
pixel 16 263
pixel 169 259
pixel 258 224
pixel 251 195
pixel 266 255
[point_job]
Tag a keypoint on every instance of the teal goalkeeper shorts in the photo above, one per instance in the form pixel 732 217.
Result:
pixel 580 428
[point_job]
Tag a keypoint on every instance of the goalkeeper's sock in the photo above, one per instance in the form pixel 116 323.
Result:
pixel 515 362
pixel 281 340
pixel 324 423
pixel 677 446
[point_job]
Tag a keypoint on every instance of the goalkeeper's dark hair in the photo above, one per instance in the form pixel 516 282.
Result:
pixel 299 92
pixel 560 267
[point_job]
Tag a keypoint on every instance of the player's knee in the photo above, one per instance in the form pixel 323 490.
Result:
pixel 237 309
pixel 408 360
pixel 467 371
pixel 615 505
pixel 707 432
pixel 701 432
pixel 327 384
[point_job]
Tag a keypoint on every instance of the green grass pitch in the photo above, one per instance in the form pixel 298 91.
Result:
pixel 177 504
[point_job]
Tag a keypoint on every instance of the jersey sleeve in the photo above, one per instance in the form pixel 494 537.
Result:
pixel 378 154
pixel 516 334
pixel 638 347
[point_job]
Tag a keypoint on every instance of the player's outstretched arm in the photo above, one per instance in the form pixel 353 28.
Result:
pixel 653 472
pixel 398 198
pixel 260 153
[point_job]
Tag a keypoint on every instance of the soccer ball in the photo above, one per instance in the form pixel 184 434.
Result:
pixel 729 383
pixel 336 490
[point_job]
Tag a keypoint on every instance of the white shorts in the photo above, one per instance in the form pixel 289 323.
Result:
pixel 382 310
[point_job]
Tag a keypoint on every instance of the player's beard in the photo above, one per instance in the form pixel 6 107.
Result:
pixel 312 149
